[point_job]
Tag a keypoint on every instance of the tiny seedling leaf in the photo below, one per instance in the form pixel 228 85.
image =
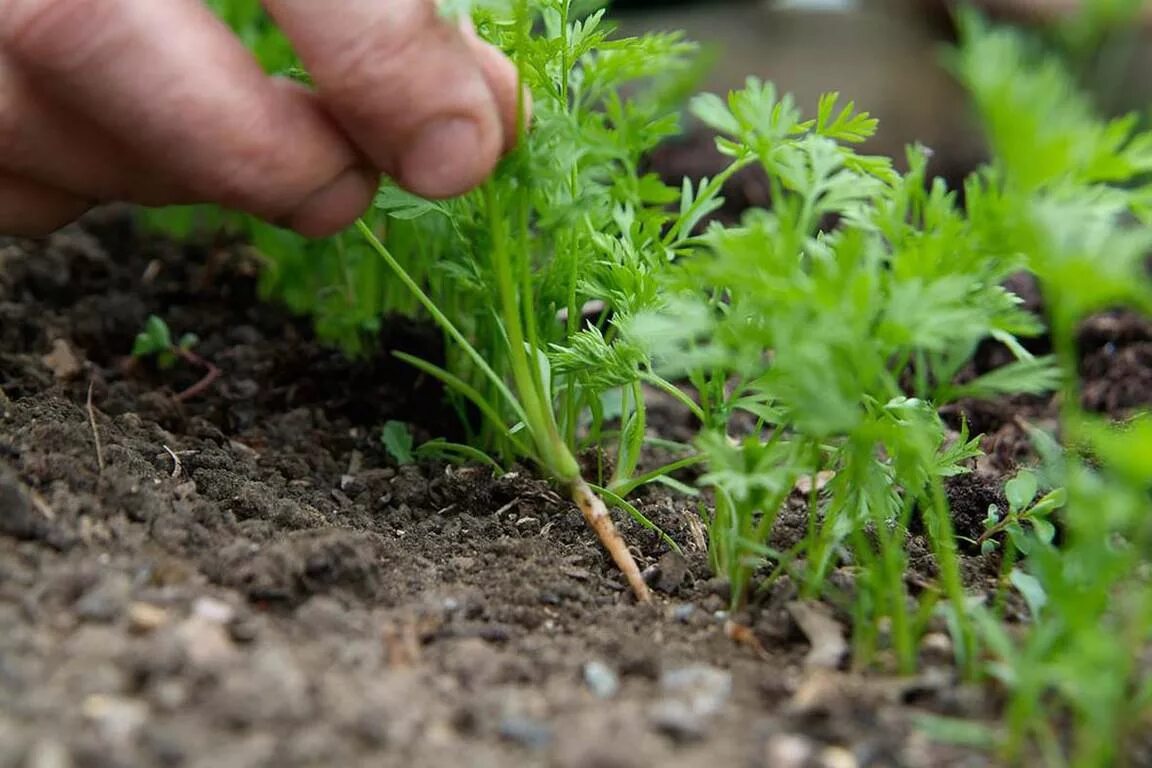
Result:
pixel 397 440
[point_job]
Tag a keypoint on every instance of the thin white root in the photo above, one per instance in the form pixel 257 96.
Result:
pixel 95 431
pixel 600 520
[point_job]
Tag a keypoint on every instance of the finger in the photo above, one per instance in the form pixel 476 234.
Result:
pixel 31 209
pixel 406 86
pixel 502 78
pixel 198 106
pixel 41 141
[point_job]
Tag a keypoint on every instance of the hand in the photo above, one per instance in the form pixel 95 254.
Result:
pixel 156 102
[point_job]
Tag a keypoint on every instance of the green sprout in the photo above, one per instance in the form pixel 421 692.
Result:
pixel 155 341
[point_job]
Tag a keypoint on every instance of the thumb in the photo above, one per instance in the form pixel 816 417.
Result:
pixel 407 86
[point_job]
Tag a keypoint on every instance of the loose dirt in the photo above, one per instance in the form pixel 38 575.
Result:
pixel 246 578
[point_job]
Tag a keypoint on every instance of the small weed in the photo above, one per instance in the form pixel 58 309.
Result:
pixel 155 341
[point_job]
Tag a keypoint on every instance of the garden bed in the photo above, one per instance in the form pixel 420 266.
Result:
pixel 245 578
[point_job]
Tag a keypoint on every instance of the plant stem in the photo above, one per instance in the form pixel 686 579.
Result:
pixel 211 373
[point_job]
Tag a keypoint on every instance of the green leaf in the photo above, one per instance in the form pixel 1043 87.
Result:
pixel 1043 528
pixel 403 205
pixel 1033 376
pixel 1031 590
pixel 397 439
pixel 847 125
pixel 1021 490
pixel 154 339
pixel 953 730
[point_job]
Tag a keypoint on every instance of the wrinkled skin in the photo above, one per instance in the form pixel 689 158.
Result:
pixel 158 103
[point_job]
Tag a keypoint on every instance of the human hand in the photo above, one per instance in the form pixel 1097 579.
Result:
pixel 158 103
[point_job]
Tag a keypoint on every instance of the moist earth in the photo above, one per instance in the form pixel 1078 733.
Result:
pixel 246 578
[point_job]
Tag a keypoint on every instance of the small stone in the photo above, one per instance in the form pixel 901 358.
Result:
pixel 676 719
pixel 601 679
pixel 118 719
pixel 693 695
pixel 788 750
pixel 63 361
pixel 719 587
pixel 526 731
pixel 206 644
pixel 683 612
pixel 213 610
pixel 673 570
pixel 837 757
pixel 244 630
pixel 145 617
pixel 48 753
pixel 936 647
pixel 170 695
pixel 272 687
pixel 106 601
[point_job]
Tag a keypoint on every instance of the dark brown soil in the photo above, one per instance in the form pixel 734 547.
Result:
pixel 245 579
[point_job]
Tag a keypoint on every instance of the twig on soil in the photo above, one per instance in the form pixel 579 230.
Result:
pixel 600 520
pixel 177 466
pixel 211 374
pixel 95 431
pixel 825 634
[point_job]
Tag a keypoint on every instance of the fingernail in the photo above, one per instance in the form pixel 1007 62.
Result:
pixel 335 206
pixel 443 160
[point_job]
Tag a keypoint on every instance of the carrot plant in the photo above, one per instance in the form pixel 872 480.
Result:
pixel 567 220
pixel 837 323
pixel 815 343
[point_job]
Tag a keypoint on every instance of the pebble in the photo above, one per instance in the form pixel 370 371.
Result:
pixel 837 757
pixel 526 731
pixel 788 750
pixel 683 612
pixel 936 647
pixel 211 609
pixel 48 753
pixel 708 688
pixel 118 719
pixel 601 679
pixel 692 697
pixel 673 568
pixel 271 687
pixel 106 601
pixel 207 644
pixel 145 617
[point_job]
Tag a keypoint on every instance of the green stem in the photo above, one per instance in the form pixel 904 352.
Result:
pixel 671 389
pixel 624 488
pixel 539 417
pixel 441 318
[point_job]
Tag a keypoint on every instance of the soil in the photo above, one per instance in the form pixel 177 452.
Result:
pixel 245 578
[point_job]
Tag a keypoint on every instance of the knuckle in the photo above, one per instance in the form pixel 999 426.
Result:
pixel 248 177
pixel 256 171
